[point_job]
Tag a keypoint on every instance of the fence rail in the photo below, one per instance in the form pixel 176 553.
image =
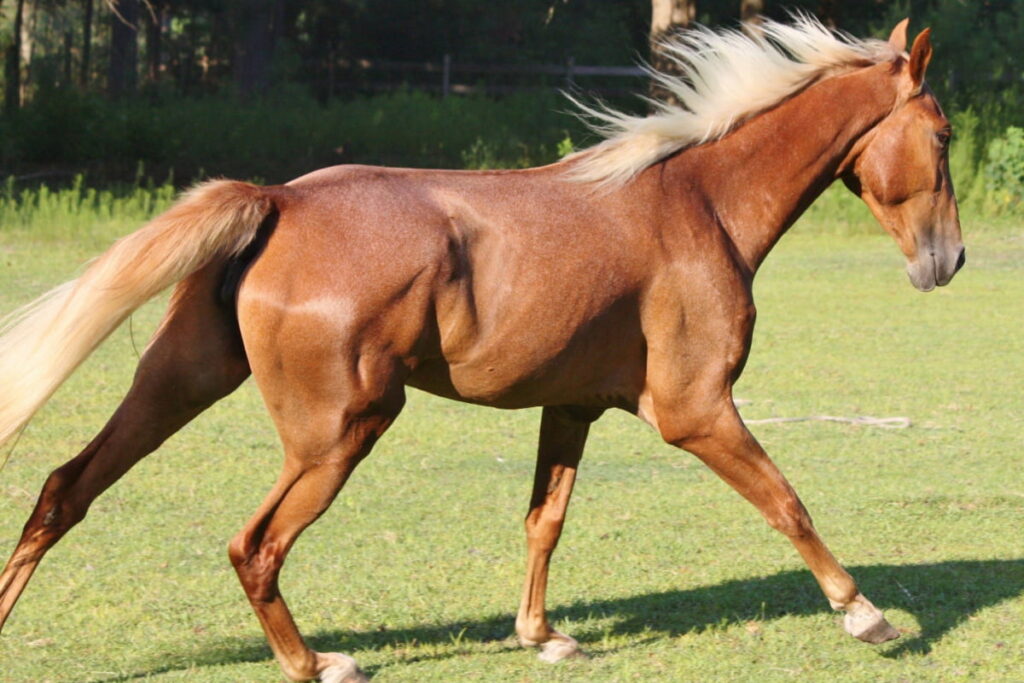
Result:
pixel 447 71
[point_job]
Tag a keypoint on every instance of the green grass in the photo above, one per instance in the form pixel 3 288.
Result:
pixel 663 572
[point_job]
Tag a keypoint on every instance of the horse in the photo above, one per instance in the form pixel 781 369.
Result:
pixel 617 277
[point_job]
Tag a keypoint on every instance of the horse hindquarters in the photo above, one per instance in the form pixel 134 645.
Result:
pixel 195 358
pixel 330 335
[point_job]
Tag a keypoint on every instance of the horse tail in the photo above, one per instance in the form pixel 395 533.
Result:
pixel 44 342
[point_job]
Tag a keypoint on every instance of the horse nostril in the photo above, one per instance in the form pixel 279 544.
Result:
pixel 962 259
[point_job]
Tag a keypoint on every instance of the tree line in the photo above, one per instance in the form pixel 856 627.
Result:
pixel 120 48
pixel 137 89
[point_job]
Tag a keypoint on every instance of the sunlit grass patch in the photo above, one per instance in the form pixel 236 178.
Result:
pixel 663 572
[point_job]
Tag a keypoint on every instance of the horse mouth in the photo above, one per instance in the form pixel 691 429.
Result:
pixel 932 270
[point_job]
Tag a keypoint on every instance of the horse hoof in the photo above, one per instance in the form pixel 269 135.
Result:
pixel 875 630
pixel 559 647
pixel 865 622
pixel 341 669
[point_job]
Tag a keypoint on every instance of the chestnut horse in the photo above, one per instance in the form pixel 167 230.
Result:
pixel 618 277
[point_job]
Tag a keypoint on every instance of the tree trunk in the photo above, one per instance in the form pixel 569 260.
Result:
pixel 12 64
pixel 66 81
pixel 83 76
pixel 28 44
pixel 259 25
pixel 667 17
pixel 154 16
pixel 751 10
pixel 124 48
pixel 324 40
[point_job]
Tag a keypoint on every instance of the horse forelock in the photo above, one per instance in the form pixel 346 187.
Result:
pixel 726 76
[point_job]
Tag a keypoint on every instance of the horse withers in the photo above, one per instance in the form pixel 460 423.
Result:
pixel 619 277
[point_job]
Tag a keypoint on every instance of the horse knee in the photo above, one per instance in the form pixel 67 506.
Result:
pixel 691 429
pixel 544 529
pixel 790 518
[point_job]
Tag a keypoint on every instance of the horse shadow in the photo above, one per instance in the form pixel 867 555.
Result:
pixel 941 596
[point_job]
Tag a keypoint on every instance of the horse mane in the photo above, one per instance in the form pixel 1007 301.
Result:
pixel 726 76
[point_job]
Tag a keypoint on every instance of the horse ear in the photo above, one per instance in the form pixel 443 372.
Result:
pixel 898 37
pixel 920 55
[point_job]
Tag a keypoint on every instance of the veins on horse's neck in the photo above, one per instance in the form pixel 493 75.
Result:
pixel 761 177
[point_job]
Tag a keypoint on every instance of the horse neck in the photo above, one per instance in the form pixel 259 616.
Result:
pixel 760 178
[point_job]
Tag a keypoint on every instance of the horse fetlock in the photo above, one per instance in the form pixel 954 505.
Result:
pixel 527 642
pixel 339 668
pixel 532 631
pixel 554 646
pixel 865 622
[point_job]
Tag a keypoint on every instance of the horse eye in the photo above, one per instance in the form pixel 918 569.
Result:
pixel 943 137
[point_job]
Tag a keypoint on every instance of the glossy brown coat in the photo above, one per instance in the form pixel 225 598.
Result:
pixel 515 289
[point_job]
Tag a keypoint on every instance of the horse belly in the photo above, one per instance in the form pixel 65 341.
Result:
pixel 598 362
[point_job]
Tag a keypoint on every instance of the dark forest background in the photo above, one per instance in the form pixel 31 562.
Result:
pixel 267 89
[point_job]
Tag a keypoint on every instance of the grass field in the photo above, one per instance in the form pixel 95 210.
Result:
pixel 663 572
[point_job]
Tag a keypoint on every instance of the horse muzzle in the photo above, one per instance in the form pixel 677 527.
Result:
pixel 935 267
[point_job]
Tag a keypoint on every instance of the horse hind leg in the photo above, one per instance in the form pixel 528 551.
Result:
pixel 301 494
pixel 195 358
pixel 329 408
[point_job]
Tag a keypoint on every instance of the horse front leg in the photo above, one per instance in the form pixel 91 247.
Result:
pixel 715 433
pixel 563 434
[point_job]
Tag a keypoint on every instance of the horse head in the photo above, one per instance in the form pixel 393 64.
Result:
pixel 900 168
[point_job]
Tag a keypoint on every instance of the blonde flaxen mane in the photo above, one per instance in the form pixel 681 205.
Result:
pixel 726 77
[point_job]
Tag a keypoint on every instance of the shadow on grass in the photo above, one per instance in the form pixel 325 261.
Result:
pixel 941 596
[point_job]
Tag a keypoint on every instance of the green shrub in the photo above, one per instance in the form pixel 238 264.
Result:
pixel 1004 171
pixel 79 212
pixel 282 137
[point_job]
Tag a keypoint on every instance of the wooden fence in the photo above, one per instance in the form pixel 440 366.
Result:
pixel 450 77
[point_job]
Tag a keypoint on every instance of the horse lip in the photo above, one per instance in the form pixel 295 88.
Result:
pixel 923 281
pixel 924 287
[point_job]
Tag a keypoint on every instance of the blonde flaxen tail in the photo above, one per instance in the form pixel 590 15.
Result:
pixel 43 343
